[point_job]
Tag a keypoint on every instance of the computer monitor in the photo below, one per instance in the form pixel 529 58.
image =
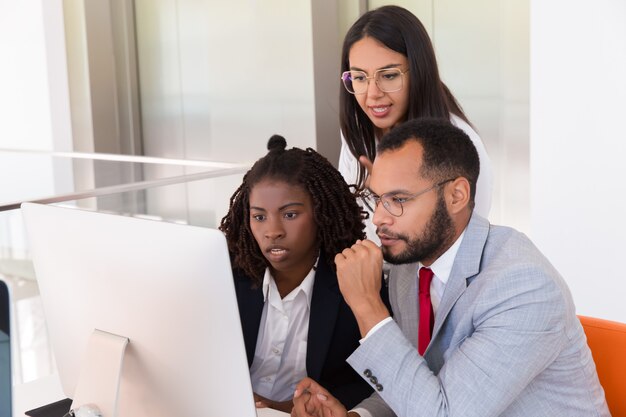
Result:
pixel 167 287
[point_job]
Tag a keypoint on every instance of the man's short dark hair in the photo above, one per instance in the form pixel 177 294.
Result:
pixel 448 151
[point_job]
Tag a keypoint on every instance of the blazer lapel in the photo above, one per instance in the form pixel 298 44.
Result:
pixel 250 308
pixel 324 309
pixel 403 297
pixel 466 265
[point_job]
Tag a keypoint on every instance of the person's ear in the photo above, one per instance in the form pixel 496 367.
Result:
pixel 457 195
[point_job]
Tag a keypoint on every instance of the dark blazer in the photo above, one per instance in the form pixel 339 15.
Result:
pixel 333 333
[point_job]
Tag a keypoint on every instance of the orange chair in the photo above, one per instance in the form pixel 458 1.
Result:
pixel 607 341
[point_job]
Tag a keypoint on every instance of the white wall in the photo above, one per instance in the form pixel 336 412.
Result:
pixel 32 52
pixel 578 147
pixel 24 98
pixel 34 100
pixel 482 50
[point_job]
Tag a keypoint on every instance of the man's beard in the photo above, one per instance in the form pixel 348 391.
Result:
pixel 437 235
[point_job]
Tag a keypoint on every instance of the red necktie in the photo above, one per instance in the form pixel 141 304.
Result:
pixel 427 318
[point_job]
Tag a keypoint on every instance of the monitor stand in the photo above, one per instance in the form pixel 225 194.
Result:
pixel 99 379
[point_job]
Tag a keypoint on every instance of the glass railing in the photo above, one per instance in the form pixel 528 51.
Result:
pixel 188 192
pixel 48 177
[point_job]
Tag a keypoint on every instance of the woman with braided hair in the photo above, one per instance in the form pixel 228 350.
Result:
pixel 289 218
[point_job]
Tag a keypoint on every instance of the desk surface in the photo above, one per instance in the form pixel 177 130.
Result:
pixel 268 412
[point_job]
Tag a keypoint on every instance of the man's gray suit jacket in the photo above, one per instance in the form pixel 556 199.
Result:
pixel 506 339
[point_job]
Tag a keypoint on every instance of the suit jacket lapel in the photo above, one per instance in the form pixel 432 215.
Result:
pixel 466 265
pixel 250 309
pixel 324 309
pixel 403 297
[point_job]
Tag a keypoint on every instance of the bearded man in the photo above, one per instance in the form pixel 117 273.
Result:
pixel 483 324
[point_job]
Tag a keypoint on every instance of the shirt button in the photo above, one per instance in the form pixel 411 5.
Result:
pixel 268 378
pixel 276 351
pixel 367 373
pixel 379 387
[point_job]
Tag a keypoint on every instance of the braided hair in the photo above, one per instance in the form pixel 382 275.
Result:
pixel 335 211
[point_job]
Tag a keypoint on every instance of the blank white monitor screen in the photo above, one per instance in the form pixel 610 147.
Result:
pixel 167 287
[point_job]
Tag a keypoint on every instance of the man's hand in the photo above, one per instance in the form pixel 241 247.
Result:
pixel 312 400
pixel 359 272
pixel 262 402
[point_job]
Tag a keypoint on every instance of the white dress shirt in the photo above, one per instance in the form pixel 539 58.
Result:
pixel 280 355
pixel 441 272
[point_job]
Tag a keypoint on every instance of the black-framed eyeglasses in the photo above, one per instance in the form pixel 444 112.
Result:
pixel 388 80
pixel 394 201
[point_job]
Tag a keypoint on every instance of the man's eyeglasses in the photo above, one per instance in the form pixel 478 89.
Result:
pixel 394 202
pixel 388 80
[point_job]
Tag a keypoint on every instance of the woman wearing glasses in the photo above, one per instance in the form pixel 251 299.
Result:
pixel 390 75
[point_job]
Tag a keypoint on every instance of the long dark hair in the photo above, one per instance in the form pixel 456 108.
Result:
pixel 338 217
pixel 399 30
